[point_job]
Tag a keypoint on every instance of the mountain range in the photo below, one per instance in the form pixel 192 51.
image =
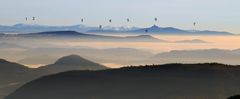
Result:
pixel 32 28
pixel 84 36
pixel 93 37
pixel 175 31
pixel 170 81
pixel 29 28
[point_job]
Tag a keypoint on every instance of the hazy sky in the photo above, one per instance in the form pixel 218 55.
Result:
pixel 222 15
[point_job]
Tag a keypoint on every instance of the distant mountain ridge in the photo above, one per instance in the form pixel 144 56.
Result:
pixel 98 37
pixel 157 29
pixel 199 56
pixel 175 31
pixel 55 33
pixel 85 36
pixel 29 28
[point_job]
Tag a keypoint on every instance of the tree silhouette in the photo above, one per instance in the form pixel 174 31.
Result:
pixel 234 97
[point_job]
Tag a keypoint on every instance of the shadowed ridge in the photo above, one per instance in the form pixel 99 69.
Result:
pixel 169 81
pixel 63 33
pixel 6 65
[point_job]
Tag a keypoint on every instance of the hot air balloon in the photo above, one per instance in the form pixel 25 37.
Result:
pixel 128 19
pixel 146 30
pixel 194 24
pixel 82 20
pixel 156 19
pixel 33 18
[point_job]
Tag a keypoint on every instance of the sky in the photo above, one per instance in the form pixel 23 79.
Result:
pixel 220 15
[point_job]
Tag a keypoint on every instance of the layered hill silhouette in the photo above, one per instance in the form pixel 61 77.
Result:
pixel 14 75
pixel 170 81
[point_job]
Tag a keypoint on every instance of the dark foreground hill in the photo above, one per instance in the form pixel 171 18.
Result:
pixel 13 75
pixel 171 81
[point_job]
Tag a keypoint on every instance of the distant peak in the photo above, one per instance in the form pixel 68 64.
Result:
pixel 71 59
pixel 155 26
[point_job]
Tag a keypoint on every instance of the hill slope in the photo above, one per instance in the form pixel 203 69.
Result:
pixel 13 75
pixel 171 81
pixel 11 72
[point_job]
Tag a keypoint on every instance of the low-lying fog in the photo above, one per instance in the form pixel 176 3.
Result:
pixel 38 52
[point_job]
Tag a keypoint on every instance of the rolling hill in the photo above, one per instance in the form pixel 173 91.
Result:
pixel 72 62
pixel 170 81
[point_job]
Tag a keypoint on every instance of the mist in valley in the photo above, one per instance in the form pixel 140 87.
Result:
pixel 40 51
